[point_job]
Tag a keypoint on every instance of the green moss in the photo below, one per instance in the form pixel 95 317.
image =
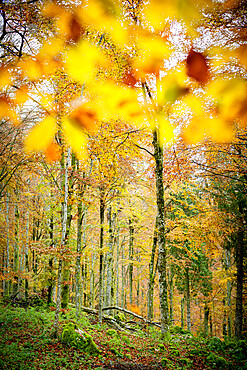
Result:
pixel 217 362
pixel 215 344
pixel 120 317
pixel 111 332
pixel 73 338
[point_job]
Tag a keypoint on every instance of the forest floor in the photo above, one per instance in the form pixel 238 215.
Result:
pixel 26 344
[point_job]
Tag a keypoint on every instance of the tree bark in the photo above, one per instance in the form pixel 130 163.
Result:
pixel 78 283
pixel 16 246
pixel 109 262
pixel 62 249
pixel 182 312
pixel 152 273
pixel 131 254
pixel 26 285
pixel 187 293
pixel 239 250
pixel 7 257
pixel 101 255
pixel 206 319
pixel 67 262
pixel 158 156
pixel 170 280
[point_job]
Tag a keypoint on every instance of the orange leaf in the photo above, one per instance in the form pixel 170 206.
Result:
pixel 197 67
pixel 129 79
pixel 52 152
pixel 85 117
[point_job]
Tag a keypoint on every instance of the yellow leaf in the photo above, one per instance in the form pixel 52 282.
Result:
pixel 7 111
pixel 100 13
pixel 5 77
pixel 82 60
pixel 21 95
pixel 32 68
pixel 219 130
pixel 157 11
pixel 114 101
pixel 51 48
pixel 195 104
pixel 75 137
pixel 171 87
pixel 230 97
pixel 242 54
pixel 166 134
pixel 41 135
pixel 152 52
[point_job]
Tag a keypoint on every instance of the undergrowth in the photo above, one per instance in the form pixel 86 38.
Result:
pixel 26 344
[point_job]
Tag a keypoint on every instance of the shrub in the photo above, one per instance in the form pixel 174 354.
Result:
pixel 217 362
pixel 178 330
pixel 215 344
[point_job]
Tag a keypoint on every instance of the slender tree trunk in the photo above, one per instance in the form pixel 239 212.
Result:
pixel 206 319
pixel 92 281
pixel 187 292
pixel 123 280
pixel 160 201
pixel 101 255
pixel 224 324
pixel 62 249
pixel 109 277
pixel 16 246
pixel 78 282
pixel 152 273
pixel 182 312
pixel 50 280
pixel 7 257
pixel 67 262
pixel 229 322
pixel 131 254
pixel 170 280
pixel 26 285
pixel 158 156
pixel 239 251
pixel 117 268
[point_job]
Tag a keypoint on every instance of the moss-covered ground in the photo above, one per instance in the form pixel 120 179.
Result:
pixel 26 343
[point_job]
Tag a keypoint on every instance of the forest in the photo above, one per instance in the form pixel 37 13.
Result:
pixel 123 204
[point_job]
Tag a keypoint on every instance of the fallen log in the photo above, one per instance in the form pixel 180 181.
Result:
pixel 95 312
pixel 133 314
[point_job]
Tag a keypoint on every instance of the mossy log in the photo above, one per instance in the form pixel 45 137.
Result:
pixel 114 322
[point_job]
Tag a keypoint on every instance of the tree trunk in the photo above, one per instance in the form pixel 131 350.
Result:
pixel 92 280
pixel 131 254
pixel 182 312
pixel 109 262
pixel 62 249
pixel 187 292
pixel 170 280
pixel 16 247
pixel 158 156
pixel 67 262
pixel 26 286
pixel 80 216
pixel 123 296
pixel 7 257
pixel 117 267
pixel 239 250
pixel 101 255
pixel 206 319
pixel 152 273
